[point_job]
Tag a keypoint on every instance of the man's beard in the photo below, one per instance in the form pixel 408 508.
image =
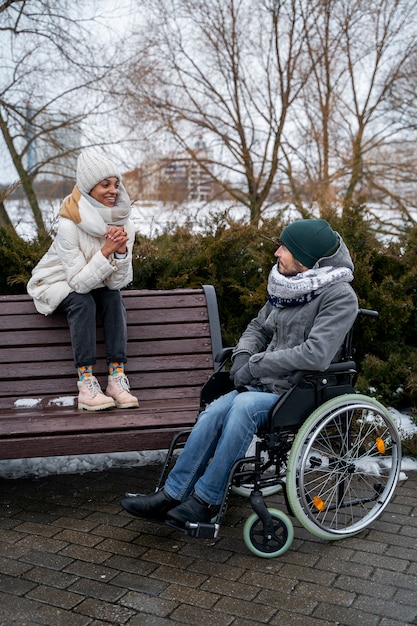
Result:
pixel 287 274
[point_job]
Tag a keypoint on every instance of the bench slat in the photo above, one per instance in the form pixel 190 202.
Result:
pixel 28 354
pixel 19 422
pixel 90 443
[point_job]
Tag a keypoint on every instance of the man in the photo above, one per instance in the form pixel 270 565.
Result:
pixel 311 307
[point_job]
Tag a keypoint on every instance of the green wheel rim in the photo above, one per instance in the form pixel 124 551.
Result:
pixel 281 540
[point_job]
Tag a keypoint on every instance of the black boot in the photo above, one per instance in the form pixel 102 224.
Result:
pixel 153 506
pixel 194 509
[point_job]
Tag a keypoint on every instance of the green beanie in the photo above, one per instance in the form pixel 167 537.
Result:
pixel 310 240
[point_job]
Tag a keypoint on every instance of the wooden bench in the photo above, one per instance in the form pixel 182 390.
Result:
pixel 173 337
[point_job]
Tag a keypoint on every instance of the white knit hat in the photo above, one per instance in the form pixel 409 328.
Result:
pixel 92 168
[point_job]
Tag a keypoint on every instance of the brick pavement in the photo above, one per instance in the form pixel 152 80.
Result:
pixel 70 556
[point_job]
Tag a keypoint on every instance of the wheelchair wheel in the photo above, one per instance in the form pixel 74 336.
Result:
pixel 343 466
pixel 268 545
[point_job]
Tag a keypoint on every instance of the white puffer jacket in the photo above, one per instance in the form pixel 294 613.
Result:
pixel 74 262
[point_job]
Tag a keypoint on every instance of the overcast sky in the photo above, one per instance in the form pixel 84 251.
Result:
pixel 118 16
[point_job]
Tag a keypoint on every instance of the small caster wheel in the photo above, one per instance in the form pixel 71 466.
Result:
pixel 268 545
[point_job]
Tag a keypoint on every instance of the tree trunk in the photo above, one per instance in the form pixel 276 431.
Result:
pixel 24 178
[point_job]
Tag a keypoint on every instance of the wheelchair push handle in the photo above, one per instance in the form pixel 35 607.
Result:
pixel 368 312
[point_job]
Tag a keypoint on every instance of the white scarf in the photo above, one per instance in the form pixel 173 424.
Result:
pixel 303 287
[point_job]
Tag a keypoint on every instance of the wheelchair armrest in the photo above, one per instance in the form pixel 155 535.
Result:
pixel 295 377
pixel 343 366
pixel 334 368
pixel 223 356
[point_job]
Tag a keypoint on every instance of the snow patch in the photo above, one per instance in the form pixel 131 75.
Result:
pixel 27 403
pixel 44 466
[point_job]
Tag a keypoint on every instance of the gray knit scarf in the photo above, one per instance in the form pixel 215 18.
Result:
pixel 285 291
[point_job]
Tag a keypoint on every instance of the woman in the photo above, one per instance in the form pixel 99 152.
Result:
pixel 83 272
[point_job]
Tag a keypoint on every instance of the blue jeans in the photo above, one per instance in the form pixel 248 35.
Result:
pixel 81 310
pixel 221 436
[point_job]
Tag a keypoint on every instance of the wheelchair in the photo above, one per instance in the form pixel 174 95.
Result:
pixel 335 454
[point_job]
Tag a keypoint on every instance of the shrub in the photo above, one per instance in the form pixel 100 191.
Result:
pixel 235 258
pixel 17 259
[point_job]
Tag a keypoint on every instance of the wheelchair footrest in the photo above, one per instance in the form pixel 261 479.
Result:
pixel 196 529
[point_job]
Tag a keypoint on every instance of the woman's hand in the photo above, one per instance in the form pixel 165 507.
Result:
pixel 116 240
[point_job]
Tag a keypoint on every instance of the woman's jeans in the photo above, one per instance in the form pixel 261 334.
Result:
pixel 223 433
pixel 81 310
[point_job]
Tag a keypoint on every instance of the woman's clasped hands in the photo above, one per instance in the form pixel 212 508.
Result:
pixel 116 240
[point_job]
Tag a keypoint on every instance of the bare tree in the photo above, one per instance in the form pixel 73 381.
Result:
pixel 54 78
pixel 301 101
pixel 350 131
pixel 229 70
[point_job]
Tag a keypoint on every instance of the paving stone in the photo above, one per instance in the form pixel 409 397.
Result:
pixel 27 612
pixel 15 586
pixel 145 603
pixel 404 613
pixel 54 561
pixel 11 551
pixel 291 602
pixel 37 528
pixel 290 618
pixel 180 576
pixel 145 584
pixel 376 590
pixel 41 544
pixel 148 620
pixel 188 595
pixel 55 597
pixel 128 564
pixel 405 580
pixel 120 534
pixel 82 553
pixel 251 610
pixel 308 574
pixel 195 616
pixel 95 589
pixel 52 578
pixel 268 581
pixel 382 561
pixel 345 616
pixel 213 568
pixel 113 613
pixel 91 570
pixel 322 593
pixel 80 538
pixel 12 567
pixel 167 557
pixel 82 525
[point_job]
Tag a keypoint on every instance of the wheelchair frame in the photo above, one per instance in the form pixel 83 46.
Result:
pixel 335 455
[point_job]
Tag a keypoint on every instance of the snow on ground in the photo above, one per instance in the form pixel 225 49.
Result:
pixel 153 218
pixel 150 218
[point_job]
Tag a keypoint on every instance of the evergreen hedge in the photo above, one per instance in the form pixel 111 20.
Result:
pixel 236 259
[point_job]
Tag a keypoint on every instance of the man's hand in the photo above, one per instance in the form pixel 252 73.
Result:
pixel 238 362
pixel 243 376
